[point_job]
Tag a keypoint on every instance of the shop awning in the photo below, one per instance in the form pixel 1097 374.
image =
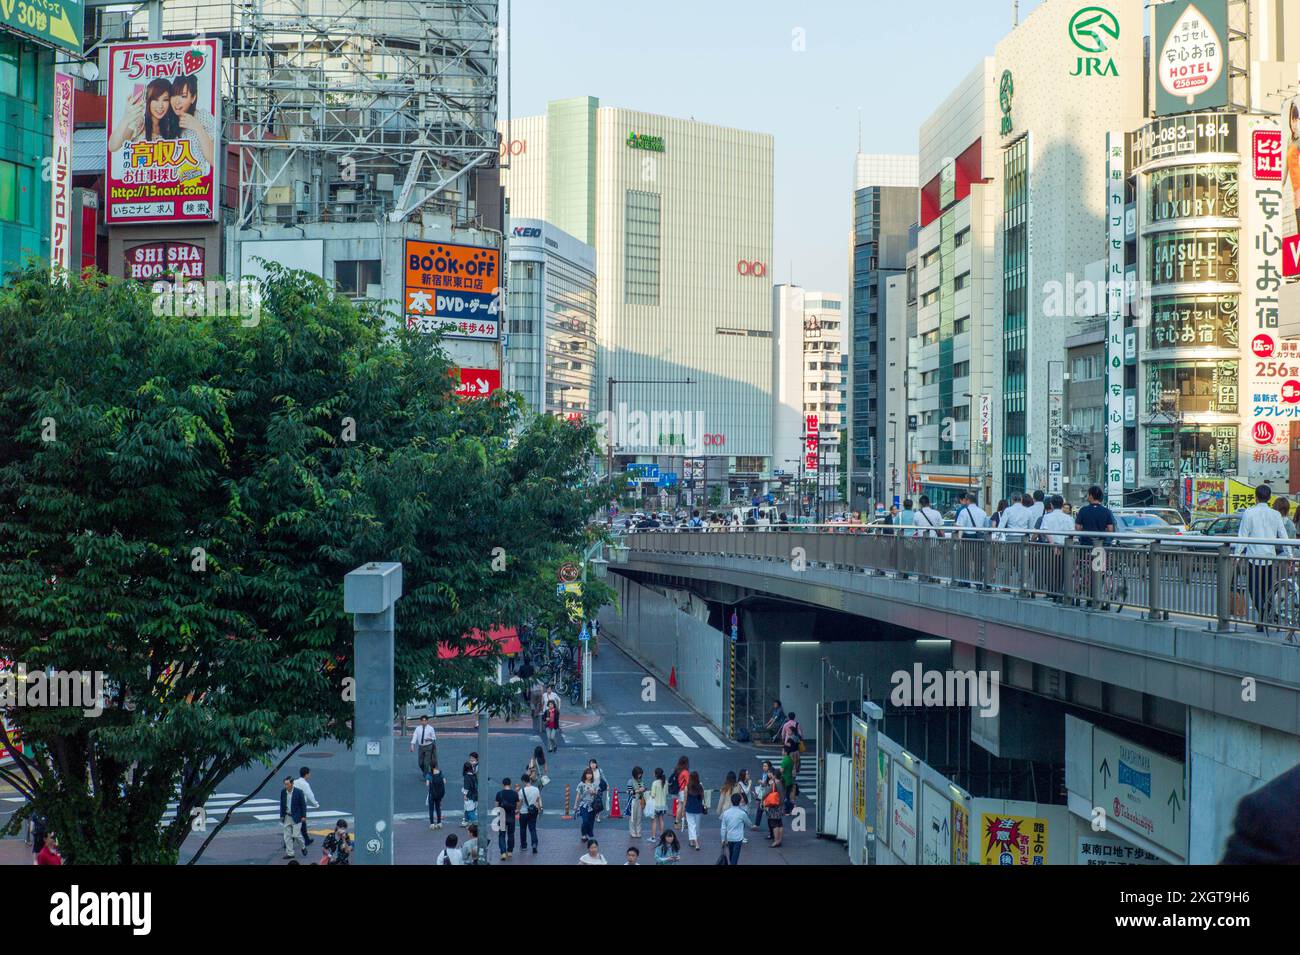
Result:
pixel 506 639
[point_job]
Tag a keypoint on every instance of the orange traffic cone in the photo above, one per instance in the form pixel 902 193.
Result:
pixel 672 678
pixel 613 806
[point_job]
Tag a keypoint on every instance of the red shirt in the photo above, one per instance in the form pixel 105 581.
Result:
pixel 683 780
pixel 46 857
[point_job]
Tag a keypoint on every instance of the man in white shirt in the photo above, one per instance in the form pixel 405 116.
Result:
pixel 1038 508
pixel 970 514
pixel 1262 522
pixel 733 824
pixel 928 518
pixel 1016 518
pixel 425 741
pixel 303 783
pixel 1055 519
pixel 531 808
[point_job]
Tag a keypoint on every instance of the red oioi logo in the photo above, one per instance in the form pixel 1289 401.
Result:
pixel 1263 432
pixel 514 147
pixel 758 269
pixel 715 439
pixel 1262 345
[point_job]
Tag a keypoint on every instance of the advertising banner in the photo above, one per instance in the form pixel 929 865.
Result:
pixel 1174 137
pixel 1013 840
pixel 61 179
pixel 1141 790
pixel 57 23
pixel 1099 848
pixel 1191 56
pixel 164 132
pixel 859 772
pixel 1289 296
pixel 986 419
pixel 1272 372
pixel 884 764
pixel 454 289
pixel 172 261
pixel 960 834
pixel 811 438
pixel 903 814
pixel 1115 307
pixel 478 382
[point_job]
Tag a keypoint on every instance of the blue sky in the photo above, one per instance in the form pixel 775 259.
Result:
pixel 732 63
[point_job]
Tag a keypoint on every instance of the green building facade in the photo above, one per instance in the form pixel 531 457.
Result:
pixel 26 137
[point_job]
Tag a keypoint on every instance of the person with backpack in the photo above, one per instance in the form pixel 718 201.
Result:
pixel 602 787
pixel 695 523
pixel 536 768
pixel 451 854
pixel 508 801
pixel 677 784
pixel 773 806
pixel 530 810
pixel 469 791
pixel 436 784
pixel 792 739
pixel 928 519
pixel 657 804
pixel 972 516
pixel 337 846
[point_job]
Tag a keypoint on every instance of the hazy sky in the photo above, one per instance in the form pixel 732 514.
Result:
pixel 733 63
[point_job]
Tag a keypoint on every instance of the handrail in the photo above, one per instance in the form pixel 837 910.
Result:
pixel 1163 575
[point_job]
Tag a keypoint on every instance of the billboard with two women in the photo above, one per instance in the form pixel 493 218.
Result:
pixel 164 132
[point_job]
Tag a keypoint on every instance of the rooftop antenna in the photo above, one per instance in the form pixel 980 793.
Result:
pixel 1015 13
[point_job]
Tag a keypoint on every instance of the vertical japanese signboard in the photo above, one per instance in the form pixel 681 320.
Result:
pixel 61 179
pixel 164 132
pixel 1115 182
pixel 454 289
pixel 810 441
pixel 1055 422
pixel 1191 56
pixel 1272 378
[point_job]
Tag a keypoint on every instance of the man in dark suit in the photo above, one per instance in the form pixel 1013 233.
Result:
pixel 1265 832
pixel 293 810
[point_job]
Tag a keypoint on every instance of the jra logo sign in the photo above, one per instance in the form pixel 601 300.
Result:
pixel 1092 29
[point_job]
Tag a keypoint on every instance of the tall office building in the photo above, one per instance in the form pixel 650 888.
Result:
pixel 550 333
pixel 884 207
pixel 809 384
pixel 1012 207
pixel 680 215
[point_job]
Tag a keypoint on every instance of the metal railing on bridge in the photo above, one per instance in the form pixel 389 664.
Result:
pixel 1225 580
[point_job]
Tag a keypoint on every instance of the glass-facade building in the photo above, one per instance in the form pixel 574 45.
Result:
pixel 550 340
pixel 26 110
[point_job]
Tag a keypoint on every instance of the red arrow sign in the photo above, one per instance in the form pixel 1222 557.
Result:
pixel 478 382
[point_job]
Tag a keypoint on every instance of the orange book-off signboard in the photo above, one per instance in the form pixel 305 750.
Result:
pixel 454 289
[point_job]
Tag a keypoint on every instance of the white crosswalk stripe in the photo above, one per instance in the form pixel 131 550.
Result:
pixel 260 808
pixel 593 738
pixel 621 736
pixel 645 730
pixel 676 733
pixel 709 738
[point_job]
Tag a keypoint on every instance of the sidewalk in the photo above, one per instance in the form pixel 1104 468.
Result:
pixel 418 845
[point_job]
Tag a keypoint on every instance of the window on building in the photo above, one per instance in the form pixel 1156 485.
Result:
pixel 1087 367
pixel 929 298
pixel 962 281
pixel 961 369
pixel 930 338
pixel 929 258
pixel 961 325
pixel 641 249
pixel 962 237
pixel 18 70
pixel 352 276
pixel 930 377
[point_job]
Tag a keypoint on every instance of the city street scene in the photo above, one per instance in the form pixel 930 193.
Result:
pixel 576 432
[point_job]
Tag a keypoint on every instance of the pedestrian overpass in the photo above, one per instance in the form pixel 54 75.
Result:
pixel 1151 641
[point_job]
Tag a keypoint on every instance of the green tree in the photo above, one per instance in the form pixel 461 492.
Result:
pixel 179 501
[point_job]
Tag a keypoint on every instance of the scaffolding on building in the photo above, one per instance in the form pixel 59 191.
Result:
pixel 356 110
pixel 347 110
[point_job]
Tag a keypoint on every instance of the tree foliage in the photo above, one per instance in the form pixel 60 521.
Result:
pixel 186 532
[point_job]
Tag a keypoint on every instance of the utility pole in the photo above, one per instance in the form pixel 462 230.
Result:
pixel 369 593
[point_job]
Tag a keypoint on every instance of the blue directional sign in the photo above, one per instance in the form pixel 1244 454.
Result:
pixel 644 472
pixel 583 635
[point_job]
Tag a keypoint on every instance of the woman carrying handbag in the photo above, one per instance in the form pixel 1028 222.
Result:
pixel 636 793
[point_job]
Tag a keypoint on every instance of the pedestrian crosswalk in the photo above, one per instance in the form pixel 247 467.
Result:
pixel 806 777
pixel 645 735
pixel 258 808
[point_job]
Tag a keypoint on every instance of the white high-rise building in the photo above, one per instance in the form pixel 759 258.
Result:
pixel 680 215
pixel 809 379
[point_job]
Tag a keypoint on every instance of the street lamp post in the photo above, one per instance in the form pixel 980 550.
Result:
pixel 970 429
